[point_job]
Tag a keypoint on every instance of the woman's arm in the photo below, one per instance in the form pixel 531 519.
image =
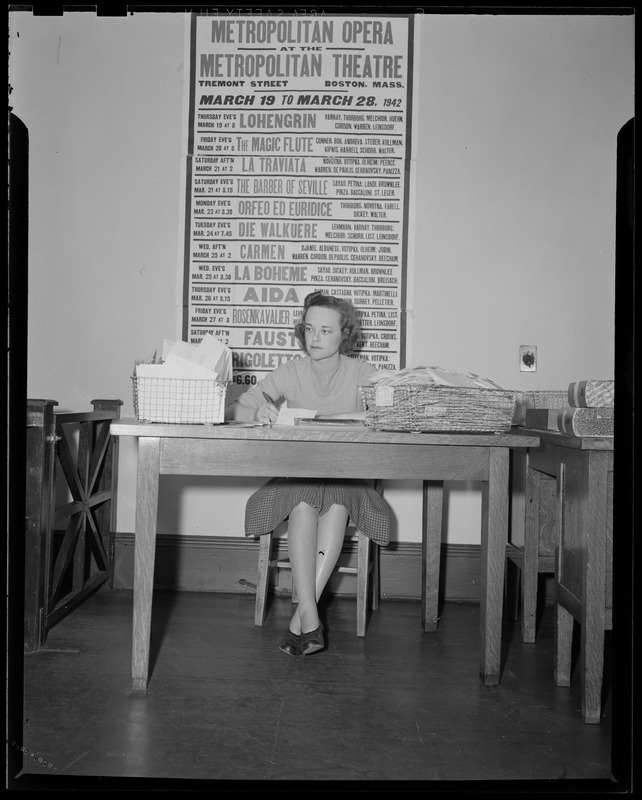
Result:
pixel 253 405
pixel 240 412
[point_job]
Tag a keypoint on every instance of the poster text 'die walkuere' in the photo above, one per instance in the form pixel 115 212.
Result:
pixel 297 179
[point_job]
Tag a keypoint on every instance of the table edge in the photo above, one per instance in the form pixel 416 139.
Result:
pixel 135 428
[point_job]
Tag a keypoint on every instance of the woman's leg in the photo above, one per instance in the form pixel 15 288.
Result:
pixel 330 534
pixel 330 537
pixel 302 549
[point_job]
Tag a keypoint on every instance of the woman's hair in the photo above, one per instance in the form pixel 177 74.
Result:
pixel 350 325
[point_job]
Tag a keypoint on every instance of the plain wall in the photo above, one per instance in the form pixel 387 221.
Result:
pixel 514 165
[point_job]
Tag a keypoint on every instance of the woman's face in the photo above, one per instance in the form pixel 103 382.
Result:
pixel 323 334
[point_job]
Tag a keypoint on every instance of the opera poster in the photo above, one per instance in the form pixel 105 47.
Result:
pixel 297 178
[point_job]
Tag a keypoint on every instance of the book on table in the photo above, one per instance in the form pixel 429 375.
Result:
pixel 591 394
pixel 573 421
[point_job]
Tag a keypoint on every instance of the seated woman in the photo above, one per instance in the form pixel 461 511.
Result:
pixel 325 379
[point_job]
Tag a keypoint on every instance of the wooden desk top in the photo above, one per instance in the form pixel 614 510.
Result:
pixel 566 440
pixel 365 435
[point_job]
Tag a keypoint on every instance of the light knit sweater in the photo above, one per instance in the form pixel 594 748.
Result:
pixel 295 382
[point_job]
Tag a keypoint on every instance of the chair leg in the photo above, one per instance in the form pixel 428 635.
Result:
pixel 367 579
pixel 376 576
pixel 363 581
pixel 263 577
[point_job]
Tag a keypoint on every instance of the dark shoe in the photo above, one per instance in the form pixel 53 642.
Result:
pixel 291 644
pixel 312 641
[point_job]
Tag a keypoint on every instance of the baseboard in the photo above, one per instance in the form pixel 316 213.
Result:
pixel 228 564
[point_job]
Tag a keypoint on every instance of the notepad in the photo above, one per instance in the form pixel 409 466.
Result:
pixel 287 416
pixel 328 421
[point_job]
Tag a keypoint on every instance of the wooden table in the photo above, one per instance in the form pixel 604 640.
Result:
pixel 583 470
pixel 217 450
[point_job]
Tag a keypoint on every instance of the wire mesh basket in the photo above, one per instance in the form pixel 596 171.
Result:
pixel 195 401
pixel 427 409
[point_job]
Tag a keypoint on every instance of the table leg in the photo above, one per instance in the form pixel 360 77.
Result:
pixel 433 494
pixel 531 555
pixel 593 606
pixel 493 556
pixel 144 555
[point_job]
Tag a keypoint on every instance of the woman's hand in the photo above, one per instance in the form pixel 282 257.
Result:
pixel 267 413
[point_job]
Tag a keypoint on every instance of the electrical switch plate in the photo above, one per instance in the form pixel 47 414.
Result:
pixel 527 358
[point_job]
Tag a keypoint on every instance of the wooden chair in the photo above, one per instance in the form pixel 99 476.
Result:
pixel 536 555
pixel 366 571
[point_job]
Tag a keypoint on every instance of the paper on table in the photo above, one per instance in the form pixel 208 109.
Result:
pixel 288 415
pixel 192 369
pixel 213 352
pixel 173 370
pixel 181 349
pixel 432 376
pixel 209 354
pixel 193 360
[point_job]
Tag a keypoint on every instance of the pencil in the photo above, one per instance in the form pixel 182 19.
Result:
pixel 269 400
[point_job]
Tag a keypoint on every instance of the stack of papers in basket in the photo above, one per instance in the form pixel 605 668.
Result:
pixel 210 359
pixel 433 376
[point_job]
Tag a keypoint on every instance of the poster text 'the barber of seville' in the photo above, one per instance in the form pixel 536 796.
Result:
pixel 301 145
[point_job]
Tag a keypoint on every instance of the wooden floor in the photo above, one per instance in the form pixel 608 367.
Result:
pixel 224 704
